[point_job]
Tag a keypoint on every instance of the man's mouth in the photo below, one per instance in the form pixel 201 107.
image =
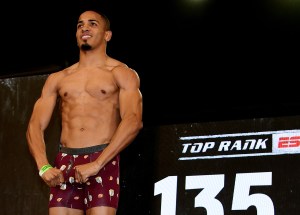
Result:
pixel 85 37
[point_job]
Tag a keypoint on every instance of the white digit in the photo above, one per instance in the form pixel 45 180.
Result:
pixel 168 188
pixel 241 198
pixel 212 185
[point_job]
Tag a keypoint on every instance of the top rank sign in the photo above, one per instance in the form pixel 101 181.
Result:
pixel 220 168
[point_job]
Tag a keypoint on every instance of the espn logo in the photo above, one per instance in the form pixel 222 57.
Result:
pixel 289 142
pixel 286 142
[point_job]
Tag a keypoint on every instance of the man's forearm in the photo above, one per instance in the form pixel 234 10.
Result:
pixel 124 135
pixel 37 147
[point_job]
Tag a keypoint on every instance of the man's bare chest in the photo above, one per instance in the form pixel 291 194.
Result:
pixel 96 86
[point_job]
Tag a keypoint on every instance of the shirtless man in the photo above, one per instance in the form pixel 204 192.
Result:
pixel 101 109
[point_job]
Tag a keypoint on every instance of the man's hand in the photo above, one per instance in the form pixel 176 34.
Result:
pixel 83 172
pixel 53 177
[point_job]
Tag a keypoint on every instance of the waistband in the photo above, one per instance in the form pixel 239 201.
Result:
pixel 81 151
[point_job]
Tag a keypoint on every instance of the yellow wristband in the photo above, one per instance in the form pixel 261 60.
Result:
pixel 44 169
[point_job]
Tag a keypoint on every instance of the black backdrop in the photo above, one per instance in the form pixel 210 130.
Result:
pixel 213 61
pixel 198 60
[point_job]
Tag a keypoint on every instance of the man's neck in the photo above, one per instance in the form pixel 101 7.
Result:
pixel 92 58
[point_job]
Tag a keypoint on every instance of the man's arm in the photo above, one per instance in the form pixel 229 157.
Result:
pixel 130 101
pixel 40 118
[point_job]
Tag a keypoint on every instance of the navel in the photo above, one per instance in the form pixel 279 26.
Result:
pixel 103 91
pixel 65 94
pixel 82 129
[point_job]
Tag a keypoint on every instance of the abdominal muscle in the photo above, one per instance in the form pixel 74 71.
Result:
pixel 88 125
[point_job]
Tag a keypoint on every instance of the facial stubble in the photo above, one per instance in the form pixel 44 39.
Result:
pixel 85 47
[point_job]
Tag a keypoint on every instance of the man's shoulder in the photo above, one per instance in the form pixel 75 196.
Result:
pixel 63 72
pixel 55 77
pixel 116 64
pixel 73 66
pixel 123 70
pixel 124 74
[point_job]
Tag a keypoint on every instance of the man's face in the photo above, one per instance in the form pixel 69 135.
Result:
pixel 91 31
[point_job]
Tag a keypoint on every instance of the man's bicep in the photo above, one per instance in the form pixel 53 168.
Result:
pixel 42 111
pixel 130 102
pixel 45 104
pixel 130 97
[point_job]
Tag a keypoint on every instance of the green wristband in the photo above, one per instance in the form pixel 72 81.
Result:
pixel 44 169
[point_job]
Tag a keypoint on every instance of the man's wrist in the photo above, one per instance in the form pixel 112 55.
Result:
pixel 99 164
pixel 44 169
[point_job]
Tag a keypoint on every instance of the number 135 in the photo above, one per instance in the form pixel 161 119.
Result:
pixel 212 185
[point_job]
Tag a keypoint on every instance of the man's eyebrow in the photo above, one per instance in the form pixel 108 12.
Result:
pixel 90 20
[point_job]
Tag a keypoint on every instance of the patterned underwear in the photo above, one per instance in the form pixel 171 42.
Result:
pixel 100 190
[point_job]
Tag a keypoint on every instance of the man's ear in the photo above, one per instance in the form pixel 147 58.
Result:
pixel 108 35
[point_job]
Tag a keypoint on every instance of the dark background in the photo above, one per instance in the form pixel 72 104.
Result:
pixel 198 60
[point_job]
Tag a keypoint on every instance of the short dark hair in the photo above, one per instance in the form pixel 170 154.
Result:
pixel 101 9
pixel 107 22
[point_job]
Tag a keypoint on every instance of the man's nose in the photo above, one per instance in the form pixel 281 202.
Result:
pixel 85 28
